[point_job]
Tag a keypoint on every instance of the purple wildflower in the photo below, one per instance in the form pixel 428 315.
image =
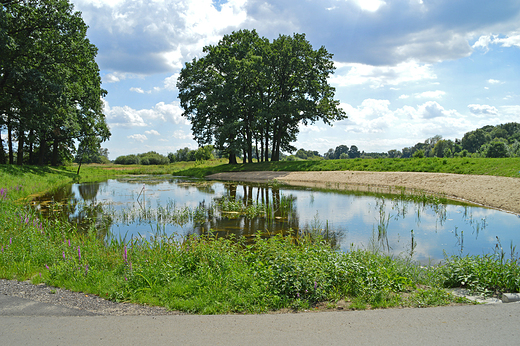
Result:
pixel 10 240
pixel 69 242
pixel 79 253
pixel 64 255
pixel 315 285
pixel 46 266
pixel 125 255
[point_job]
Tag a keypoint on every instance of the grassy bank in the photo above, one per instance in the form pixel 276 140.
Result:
pixel 209 275
pixel 508 167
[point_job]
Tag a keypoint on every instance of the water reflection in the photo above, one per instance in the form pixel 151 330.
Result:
pixel 422 227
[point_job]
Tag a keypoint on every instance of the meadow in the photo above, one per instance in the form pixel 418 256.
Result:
pixel 210 275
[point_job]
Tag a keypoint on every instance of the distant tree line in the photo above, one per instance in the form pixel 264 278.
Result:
pixel 149 158
pixel 153 158
pixel 489 141
pixel 206 152
pixel 50 86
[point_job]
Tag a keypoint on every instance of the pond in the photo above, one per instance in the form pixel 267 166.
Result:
pixel 423 227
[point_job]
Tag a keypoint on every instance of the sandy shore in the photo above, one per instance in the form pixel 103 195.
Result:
pixel 495 192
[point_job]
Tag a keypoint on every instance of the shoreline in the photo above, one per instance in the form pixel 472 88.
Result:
pixel 501 193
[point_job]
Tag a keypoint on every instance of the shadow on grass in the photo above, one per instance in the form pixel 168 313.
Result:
pixel 16 170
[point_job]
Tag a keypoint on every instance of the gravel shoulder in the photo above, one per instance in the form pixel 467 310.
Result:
pixel 501 193
pixel 77 300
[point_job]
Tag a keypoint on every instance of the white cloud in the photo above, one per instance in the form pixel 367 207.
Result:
pixel 170 83
pixel 510 39
pixel 152 132
pixel 493 81
pixel 128 117
pixel 430 94
pixel 137 90
pixel 370 5
pixel 179 134
pixel 482 109
pixel 138 137
pixel 380 76
pixel 115 77
pixel 123 116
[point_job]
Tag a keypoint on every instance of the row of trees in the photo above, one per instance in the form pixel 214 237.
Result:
pixel 248 93
pixel 50 86
pixel 489 141
pixel 149 158
pixel 153 158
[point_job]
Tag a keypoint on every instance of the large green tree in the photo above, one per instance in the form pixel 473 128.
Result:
pixel 247 92
pixel 49 81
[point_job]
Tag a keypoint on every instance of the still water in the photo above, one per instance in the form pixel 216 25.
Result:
pixel 146 206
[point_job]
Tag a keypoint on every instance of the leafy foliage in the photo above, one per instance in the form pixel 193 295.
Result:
pixel 247 90
pixel 149 158
pixel 49 81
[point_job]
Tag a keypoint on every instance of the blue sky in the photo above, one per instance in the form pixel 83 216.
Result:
pixel 406 70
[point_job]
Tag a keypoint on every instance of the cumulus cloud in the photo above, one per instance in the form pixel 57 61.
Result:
pixel 137 90
pixel 508 40
pixel 380 76
pixel 430 94
pixel 152 132
pixel 138 137
pixel 128 117
pixel 179 134
pixel 170 83
pixel 148 37
pixel 482 109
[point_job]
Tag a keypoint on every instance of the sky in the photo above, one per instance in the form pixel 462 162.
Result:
pixel 406 70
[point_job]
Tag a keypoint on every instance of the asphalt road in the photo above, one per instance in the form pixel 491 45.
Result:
pixel 24 322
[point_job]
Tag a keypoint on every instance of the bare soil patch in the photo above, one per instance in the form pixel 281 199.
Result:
pixel 501 193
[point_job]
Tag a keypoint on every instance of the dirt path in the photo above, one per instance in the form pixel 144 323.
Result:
pixel 496 192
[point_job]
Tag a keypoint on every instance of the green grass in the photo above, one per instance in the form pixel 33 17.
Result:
pixel 507 167
pixel 211 275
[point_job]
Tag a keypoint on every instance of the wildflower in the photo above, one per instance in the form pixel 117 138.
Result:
pixel 10 240
pixel 64 255
pixel 69 242
pixel 125 255
pixel 315 285
pixel 79 254
pixel 46 266
pixel 86 270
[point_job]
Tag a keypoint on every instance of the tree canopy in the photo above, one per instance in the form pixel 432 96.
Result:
pixel 50 87
pixel 248 93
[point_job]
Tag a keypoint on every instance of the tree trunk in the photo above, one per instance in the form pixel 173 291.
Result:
pixel 43 149
pixel 54 159
pixel 232 158
pixel 266 147
pixel 31 147
pixel 19 152
pixel 2 152
pixel 256 149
